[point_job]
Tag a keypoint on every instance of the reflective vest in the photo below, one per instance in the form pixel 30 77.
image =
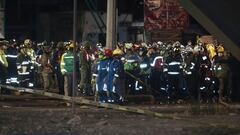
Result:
pixel 67 62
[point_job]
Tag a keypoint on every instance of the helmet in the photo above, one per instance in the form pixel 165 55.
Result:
pixel 86 45
pixel 220 49
pixel 71 45
pixel 108 52
pixel 27 42
pixel 160 43
pixel 12 42
pixel 23 46
pixel 128 45
pixel 136 46
pixel 144 45
pixel 117 52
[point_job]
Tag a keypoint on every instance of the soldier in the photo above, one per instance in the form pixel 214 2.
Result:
pixel 12 53
pixel 223 73
pixel 67 69
pixel 85 69
pixel 3 66
pixel 46 67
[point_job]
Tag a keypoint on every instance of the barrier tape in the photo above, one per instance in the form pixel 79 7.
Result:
pixel 81 100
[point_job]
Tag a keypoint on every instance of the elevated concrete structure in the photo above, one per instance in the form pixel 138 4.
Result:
pixel 220 18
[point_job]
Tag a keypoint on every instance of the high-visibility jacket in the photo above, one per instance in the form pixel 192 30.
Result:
pixel 67 62
pixel 211 50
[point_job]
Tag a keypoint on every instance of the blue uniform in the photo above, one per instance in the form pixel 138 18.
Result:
pixel 115 72
pixel 101 73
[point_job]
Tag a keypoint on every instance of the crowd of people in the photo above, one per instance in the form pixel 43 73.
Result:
pixel 170 71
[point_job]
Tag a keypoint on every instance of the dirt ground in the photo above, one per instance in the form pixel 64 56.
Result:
pixel 41 116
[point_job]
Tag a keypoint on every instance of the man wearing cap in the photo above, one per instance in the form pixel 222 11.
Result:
pixel 85 69
pixel 3 65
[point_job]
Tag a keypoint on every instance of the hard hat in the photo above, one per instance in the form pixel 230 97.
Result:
pixel 86 45
pixel 160 43
pixel 108 52
pixel 128 45
pixel 12 42
pixel 144 44
pixel 220 49
pixel 136 46
pixel 71 45
pixel 23 46
pixel 27 42
pixel 117 52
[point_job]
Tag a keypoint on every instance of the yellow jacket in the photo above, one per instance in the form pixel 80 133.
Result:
pixel 3 60
pixel 211 51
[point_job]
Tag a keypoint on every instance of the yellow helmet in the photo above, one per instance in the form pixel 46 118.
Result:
pixel 71 45
pixel 27 42
pixel 117 52
pixel 220 49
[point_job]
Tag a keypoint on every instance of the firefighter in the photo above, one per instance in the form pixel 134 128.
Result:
pixel 145 70
pixel 115 77
pixel 174 74
pixel 12 53
pixel 131 66
pixel 101 73
pixel 85 69
pixel 3 66
pixel 156 75
pixel 31 52
pixel 46 67
pixel 67 69
pixel 223 73
pixel 190 75
pixel 203 66
pixel 24 67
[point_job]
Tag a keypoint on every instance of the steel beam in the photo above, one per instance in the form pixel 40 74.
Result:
pixel 211 26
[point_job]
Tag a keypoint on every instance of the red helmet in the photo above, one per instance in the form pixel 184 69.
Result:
pixel 108 52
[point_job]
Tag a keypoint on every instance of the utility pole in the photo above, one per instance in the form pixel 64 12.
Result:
pixel 74 52
pixel 111 24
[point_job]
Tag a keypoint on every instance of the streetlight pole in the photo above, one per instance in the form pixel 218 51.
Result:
pixel 111 24
pixel 74 52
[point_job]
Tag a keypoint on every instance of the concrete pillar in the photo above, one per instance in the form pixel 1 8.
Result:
pixel 111 24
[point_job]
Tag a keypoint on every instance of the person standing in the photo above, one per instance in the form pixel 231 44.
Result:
pixel 46 67
pixel 224 75
pixel 56 60
pixel 12 53
pixel 67 69
pixel 85 69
